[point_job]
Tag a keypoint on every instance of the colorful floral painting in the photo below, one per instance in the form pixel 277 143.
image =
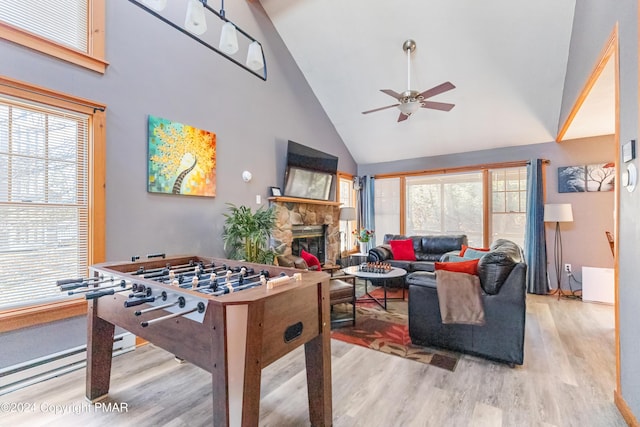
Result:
pixel 182 159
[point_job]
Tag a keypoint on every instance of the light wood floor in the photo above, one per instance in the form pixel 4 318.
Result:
pixel 567 380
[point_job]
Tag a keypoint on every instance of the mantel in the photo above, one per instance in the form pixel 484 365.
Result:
pixel 282 199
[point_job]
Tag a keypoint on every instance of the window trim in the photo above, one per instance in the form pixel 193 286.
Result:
pixel 484 168
pixel 92 60
pixel 44 313
pixel 354 200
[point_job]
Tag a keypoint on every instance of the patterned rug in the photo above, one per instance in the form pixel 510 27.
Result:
pixel 378 293
pixel 388 332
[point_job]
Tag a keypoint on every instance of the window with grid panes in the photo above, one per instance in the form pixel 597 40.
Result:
pixel 445 204
pixel 347 199
pixel 43 200
pixel 508 204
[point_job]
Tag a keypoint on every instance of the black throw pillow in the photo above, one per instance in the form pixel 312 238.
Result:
pixel 493 269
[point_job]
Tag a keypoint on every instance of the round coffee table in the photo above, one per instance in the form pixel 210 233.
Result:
pixel 395 272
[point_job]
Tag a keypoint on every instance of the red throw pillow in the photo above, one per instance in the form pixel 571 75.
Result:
pixel 465 247
pixel 469 267
pixel 311 260
pixel 403 250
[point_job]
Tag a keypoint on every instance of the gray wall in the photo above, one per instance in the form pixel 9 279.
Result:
pixel 593 21
pixel 156 70
pixel 584 240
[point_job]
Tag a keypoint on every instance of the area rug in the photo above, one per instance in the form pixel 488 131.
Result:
pixel 378 293
pixel 388 332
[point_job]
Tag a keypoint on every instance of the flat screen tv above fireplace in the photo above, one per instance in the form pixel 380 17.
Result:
pixel 310 173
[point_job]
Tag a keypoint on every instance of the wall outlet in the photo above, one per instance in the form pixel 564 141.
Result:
pixel 567 268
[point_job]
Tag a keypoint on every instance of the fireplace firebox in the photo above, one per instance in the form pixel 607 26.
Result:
pixel 311 238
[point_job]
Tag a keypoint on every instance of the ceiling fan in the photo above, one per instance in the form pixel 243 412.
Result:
pixel 410 101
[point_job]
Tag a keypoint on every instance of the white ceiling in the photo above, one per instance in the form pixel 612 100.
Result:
pixel 507 59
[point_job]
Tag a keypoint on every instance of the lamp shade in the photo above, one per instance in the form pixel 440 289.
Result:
pixel 409 108
pixel 347 214
pixel 228 39
pixel 558 212
pixel 195 22
pixel 255 61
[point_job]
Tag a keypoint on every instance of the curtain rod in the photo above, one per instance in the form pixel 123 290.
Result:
pixel 502 165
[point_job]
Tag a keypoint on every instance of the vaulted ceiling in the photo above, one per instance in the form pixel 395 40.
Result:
pixel 507 59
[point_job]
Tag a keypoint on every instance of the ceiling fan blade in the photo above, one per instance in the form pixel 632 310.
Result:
pixel 437 90
pixel 402 117
pixel 378 109
pixel 390 92
pixel 443 106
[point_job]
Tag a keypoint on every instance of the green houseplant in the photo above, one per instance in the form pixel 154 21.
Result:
pixel 246 233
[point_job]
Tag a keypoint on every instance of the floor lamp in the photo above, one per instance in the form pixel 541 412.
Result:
pixel 347 214
pixel 560 212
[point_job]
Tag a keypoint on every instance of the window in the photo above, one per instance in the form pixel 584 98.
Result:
pixel 51 192
pixel 387 208
pixel 484 203
pixel 445 204
pixel 72 30
pixel 347 198
pixel 509 204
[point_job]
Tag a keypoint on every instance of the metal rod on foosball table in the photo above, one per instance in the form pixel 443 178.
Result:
pixel 78 280
pixel 101 293
pixel 169 273
pixel 85 284
pixel 181 301
pixel 227 288
pixel 199 308
pixel 98 288
pixel 181 267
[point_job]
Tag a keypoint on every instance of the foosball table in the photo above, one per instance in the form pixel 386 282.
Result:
pixel 229 318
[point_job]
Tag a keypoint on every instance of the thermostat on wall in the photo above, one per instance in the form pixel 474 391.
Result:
pixel 630 177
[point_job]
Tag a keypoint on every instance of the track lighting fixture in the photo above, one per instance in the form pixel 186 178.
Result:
pixel 195 26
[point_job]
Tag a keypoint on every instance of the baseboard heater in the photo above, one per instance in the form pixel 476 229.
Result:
pixel 37 370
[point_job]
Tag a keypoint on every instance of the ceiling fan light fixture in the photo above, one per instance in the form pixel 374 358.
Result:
pixel 410 107
pixel 411 100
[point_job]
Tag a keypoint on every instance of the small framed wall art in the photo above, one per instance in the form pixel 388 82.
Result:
pixel 275 192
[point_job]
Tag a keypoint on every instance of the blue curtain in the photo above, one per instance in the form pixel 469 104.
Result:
pixel 535 249
pixel 366 202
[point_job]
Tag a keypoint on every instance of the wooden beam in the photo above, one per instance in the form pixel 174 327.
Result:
pixel 610 47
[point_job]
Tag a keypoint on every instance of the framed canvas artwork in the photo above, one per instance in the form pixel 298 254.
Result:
pixel 586 178
pixel 182 159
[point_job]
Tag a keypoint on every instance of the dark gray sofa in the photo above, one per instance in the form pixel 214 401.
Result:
pixel 428 249
pixel 502 275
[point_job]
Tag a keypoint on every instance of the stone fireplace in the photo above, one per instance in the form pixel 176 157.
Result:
pixel 307 224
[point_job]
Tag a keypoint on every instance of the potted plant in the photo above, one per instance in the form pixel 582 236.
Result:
pixel 246 233
pixel 363 235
